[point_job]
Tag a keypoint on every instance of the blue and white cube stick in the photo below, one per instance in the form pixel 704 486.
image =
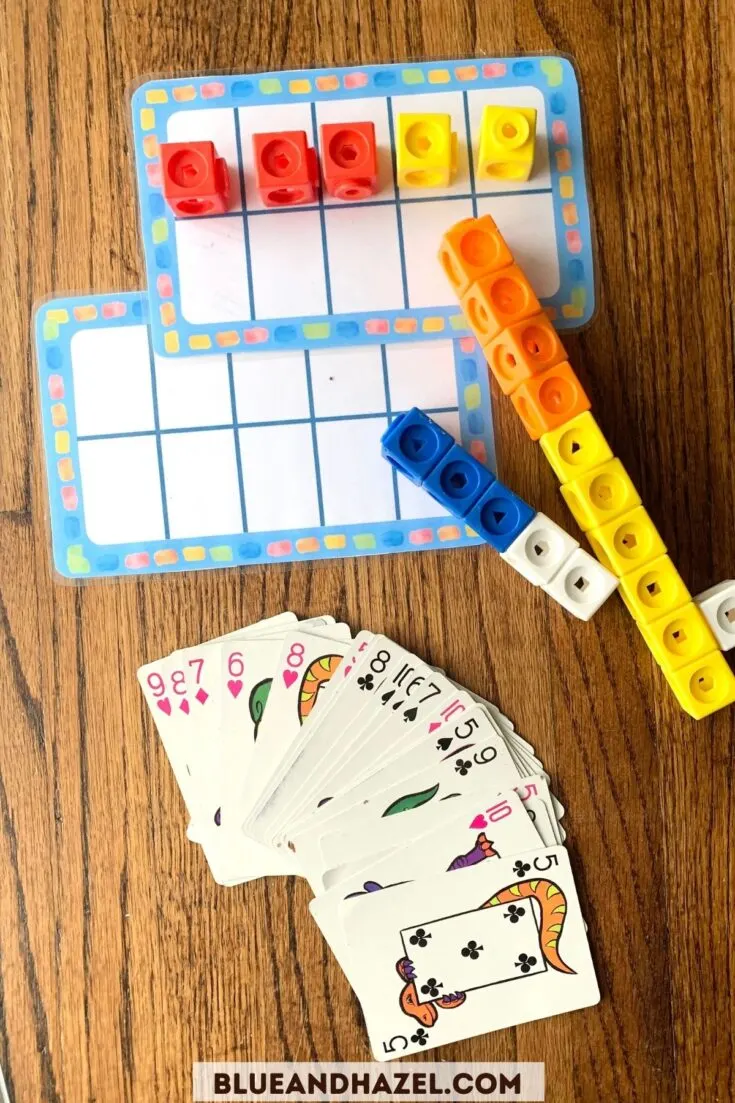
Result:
pixel 529 541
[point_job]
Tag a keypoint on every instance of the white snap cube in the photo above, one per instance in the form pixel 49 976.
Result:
pixel 582 585
pixel 718 606
pixel 540 550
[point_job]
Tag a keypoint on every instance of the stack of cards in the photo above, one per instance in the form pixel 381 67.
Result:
pixel 423 822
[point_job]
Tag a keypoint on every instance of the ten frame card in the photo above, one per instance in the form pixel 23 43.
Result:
pixel 157 464
pixel 334 273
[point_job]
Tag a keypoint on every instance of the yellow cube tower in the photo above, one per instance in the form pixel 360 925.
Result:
pixel 507 143
pixel 426 150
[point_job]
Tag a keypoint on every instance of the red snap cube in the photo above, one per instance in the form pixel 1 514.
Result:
pixel 349 160
pixel 195 179
pixel 286 168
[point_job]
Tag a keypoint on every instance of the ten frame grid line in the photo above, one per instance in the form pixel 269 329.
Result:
pixel 397 201
pixel 313 420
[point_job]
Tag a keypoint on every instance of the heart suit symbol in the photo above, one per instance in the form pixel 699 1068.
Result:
pixel 164 705
pixel 478 822
pixel 235 686
pixel 289 677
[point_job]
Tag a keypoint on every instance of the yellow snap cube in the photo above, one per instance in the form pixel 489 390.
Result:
pixel 426 150
pixel 507 143
pixel 575 447
pixel 703 686
pixel 627 542
pixel 601 494
pixel 653 590
pixel 679 638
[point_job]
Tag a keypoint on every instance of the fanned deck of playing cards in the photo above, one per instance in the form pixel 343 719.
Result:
pixel 423 822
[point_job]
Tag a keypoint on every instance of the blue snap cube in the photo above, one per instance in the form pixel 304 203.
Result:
pixel 458 480
pixel 499 516
pixel 414 444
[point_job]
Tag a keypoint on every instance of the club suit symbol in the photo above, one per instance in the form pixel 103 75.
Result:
pixel 420 938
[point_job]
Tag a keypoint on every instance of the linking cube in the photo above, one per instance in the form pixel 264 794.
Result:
pixel 497 300
pixel 680 637
pixel 704 686
pixel 349 158
pixel 499 516
pixel 426 150
pixel 195 180
pixel 653 590
pixel 627 542
pixel 507 143
pixel 471 249
pixel 549 399
pixel 458 480
pixel 600 494
pixel 718 606
pixel 581 585
pixel 414 444
pixel 539 551
pixel 286 168
pixel 575 447
pixel 523 349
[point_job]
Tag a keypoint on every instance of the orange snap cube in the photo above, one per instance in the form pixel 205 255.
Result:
pixel 522 350
pixel 496 301
pixel 471 249
pixel 550 399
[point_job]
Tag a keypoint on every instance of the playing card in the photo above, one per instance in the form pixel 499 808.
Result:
pixel 464 831
pixel 451 844
pixel 396 733
pixel 426 958
pixel 481 809
pixel 303 671
pixel 410 695
pixel 326 737
pixel 539 816
pixel 261 813
pixel 176 689
pixel 164 688
pixel 534 791
pixel 519 747
pixel 485 764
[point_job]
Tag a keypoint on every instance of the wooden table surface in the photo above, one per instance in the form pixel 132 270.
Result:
pixel 121 961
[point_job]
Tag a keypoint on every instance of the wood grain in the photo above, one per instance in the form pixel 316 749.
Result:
pixel 120 961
